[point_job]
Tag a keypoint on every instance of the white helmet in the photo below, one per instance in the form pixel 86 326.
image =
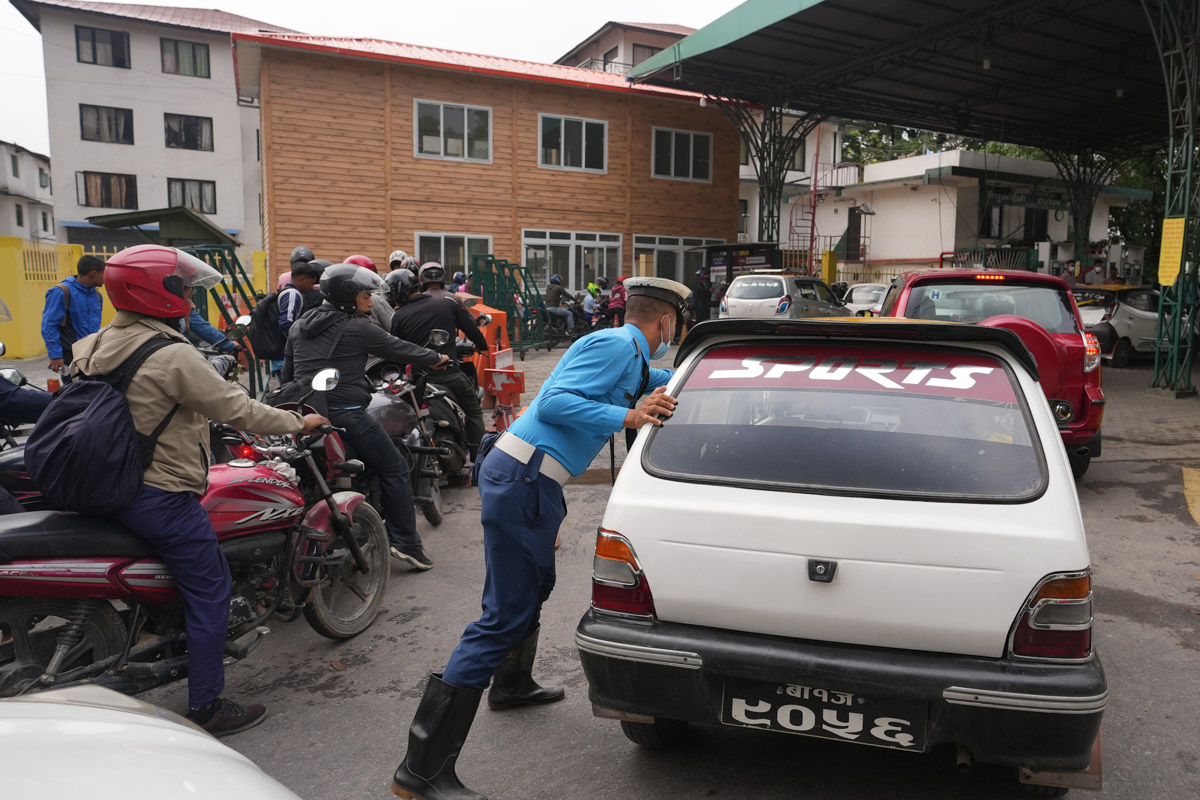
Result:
pixel 397 255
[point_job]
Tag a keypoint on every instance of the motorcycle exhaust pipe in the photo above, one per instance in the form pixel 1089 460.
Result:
pixel 963 759
pixel 1083 452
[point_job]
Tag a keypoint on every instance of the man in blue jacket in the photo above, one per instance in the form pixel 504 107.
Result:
pixel 595 391
pixel 72 311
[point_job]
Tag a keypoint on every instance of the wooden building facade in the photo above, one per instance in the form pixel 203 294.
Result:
pixel 369 147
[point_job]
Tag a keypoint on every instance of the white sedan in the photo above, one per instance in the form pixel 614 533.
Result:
pixel 856 530
pixel 87 741
pixel 863 297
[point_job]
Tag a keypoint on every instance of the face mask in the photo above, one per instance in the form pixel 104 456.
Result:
pixel 665 344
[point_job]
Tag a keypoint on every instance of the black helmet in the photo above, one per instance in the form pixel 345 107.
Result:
pixel 314 268
pixel 301 253
pixel 432 272
pixel 342 283
pixel 401 283
pixel 602 282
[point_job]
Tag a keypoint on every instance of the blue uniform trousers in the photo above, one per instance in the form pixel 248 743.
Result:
pixel 177 529
pixel 521 513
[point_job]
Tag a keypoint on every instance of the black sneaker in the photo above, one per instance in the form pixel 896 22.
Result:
pixel 414 555
pixel 224 717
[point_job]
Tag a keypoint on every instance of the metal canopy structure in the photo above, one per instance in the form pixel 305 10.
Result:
pixel 1078 76
pixel 1066 73
pixel 177 226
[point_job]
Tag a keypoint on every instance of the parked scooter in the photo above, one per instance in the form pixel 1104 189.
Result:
pixel 85 600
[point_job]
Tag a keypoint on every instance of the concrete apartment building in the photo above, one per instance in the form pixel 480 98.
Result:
pixel 447 154
pixel 26 204
pixel 144 114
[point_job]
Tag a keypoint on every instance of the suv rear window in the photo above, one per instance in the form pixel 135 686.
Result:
pixel 883 420
pixel 973 301
pixel 755 288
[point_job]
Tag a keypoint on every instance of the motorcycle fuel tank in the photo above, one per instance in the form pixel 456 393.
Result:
pixel 244 497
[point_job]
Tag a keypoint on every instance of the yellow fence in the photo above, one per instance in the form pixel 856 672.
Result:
pixel 29 269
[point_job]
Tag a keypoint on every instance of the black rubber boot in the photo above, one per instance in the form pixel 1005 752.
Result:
pixel 513 683
pixel 435 739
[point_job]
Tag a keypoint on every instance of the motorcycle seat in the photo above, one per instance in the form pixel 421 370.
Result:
pixel 61 534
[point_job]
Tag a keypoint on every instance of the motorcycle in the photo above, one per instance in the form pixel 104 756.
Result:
pixel 84 600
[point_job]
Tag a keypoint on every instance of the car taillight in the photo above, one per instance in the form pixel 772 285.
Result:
pixel 618 585
pixel 785 303
pixel 1091 358
pixel 989 277
pixel 1056 620
pixel 724 308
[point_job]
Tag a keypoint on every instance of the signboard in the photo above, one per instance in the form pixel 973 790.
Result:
pixel 1028 200
pixel 1172 250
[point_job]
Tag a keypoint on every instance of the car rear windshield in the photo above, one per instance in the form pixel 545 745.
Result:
pixel 1086 298
pixel 923 424
pixel 977 300
pixel 756 288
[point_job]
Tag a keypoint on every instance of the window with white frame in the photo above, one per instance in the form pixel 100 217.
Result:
pixel 105 124
pixel 43 178
pixel 572 143
pixel 20 215
pixel 453 131
pixel 45 222
pixel 197 195
pixel 452 250
pixel 672 257
pixel 682 155
pixel 579 257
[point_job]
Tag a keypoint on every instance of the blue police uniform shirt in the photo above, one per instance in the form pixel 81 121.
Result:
pixel 586 397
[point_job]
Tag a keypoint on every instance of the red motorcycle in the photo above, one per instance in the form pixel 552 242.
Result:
pixel 84 600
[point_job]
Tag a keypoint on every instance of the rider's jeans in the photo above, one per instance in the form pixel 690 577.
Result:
pixel 565 314
pixel 178 531
pixel 464 394
pixel 373 447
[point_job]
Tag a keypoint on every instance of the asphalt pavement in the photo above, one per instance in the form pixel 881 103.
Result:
pixel 339 712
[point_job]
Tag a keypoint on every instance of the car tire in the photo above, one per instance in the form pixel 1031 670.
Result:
pixel 1122 354
pixel 1079 464
pixel 658 735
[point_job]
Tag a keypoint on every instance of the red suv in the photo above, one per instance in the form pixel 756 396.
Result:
pixel 1038 308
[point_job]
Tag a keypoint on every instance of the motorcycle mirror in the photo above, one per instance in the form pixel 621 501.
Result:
pixel 483 319
pixel 438 338
pixel 3 349
pixel 326 380
pixel 13 376
pixel 236 331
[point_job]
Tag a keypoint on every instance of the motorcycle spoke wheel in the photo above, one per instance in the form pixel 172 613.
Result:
pixel 29 629
pixel 345 601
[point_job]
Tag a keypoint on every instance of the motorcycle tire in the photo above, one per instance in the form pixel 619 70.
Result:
pixel 432 488
pixel 345 601
pixel 29 628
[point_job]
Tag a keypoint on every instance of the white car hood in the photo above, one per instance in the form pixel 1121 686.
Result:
pixel 95 743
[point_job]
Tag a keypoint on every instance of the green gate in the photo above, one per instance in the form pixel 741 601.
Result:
pixel 234 283
pixel 511 288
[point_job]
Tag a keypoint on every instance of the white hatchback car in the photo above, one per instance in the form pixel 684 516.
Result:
pixel 856 530
pixel 863 297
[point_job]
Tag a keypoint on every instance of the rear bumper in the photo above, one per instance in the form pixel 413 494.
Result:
pixel 1040 716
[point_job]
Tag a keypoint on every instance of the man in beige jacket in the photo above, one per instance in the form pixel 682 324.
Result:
pixel 151 286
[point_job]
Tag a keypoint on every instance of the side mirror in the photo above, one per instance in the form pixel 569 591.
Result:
pixel 481 321
pixel 3 349
pixel 438 338
pixel 326 380
pixel 13 376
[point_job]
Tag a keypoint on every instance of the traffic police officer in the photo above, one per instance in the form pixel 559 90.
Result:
pixel 589 396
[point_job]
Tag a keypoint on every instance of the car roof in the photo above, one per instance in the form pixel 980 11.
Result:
pixel 845 328
pixel 1014 275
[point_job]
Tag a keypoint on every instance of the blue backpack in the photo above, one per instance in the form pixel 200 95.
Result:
pixel 85 454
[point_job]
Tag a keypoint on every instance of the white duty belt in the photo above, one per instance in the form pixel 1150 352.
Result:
pixel 522 451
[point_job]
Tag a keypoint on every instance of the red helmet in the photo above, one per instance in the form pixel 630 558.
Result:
pixel 149 279
pixel 361 261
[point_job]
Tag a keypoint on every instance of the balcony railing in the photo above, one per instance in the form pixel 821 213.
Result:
pixel 614 67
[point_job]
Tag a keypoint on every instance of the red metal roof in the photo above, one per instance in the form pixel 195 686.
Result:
pixel 205 19
pixel 456 60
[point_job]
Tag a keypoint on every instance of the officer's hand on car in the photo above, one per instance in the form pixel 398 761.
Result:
pixel 657 403
pixel 312 422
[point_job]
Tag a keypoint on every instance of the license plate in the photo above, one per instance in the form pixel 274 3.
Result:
pixel 824 712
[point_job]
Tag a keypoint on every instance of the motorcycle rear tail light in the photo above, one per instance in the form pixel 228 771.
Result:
pixel 1091 358
pixel 1056 621
pixel 242 451
pixel 618 584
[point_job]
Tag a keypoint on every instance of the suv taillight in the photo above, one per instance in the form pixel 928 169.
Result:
pixel 1091 358
pixel 1056 621
pixel 785 302
pixel 618 584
